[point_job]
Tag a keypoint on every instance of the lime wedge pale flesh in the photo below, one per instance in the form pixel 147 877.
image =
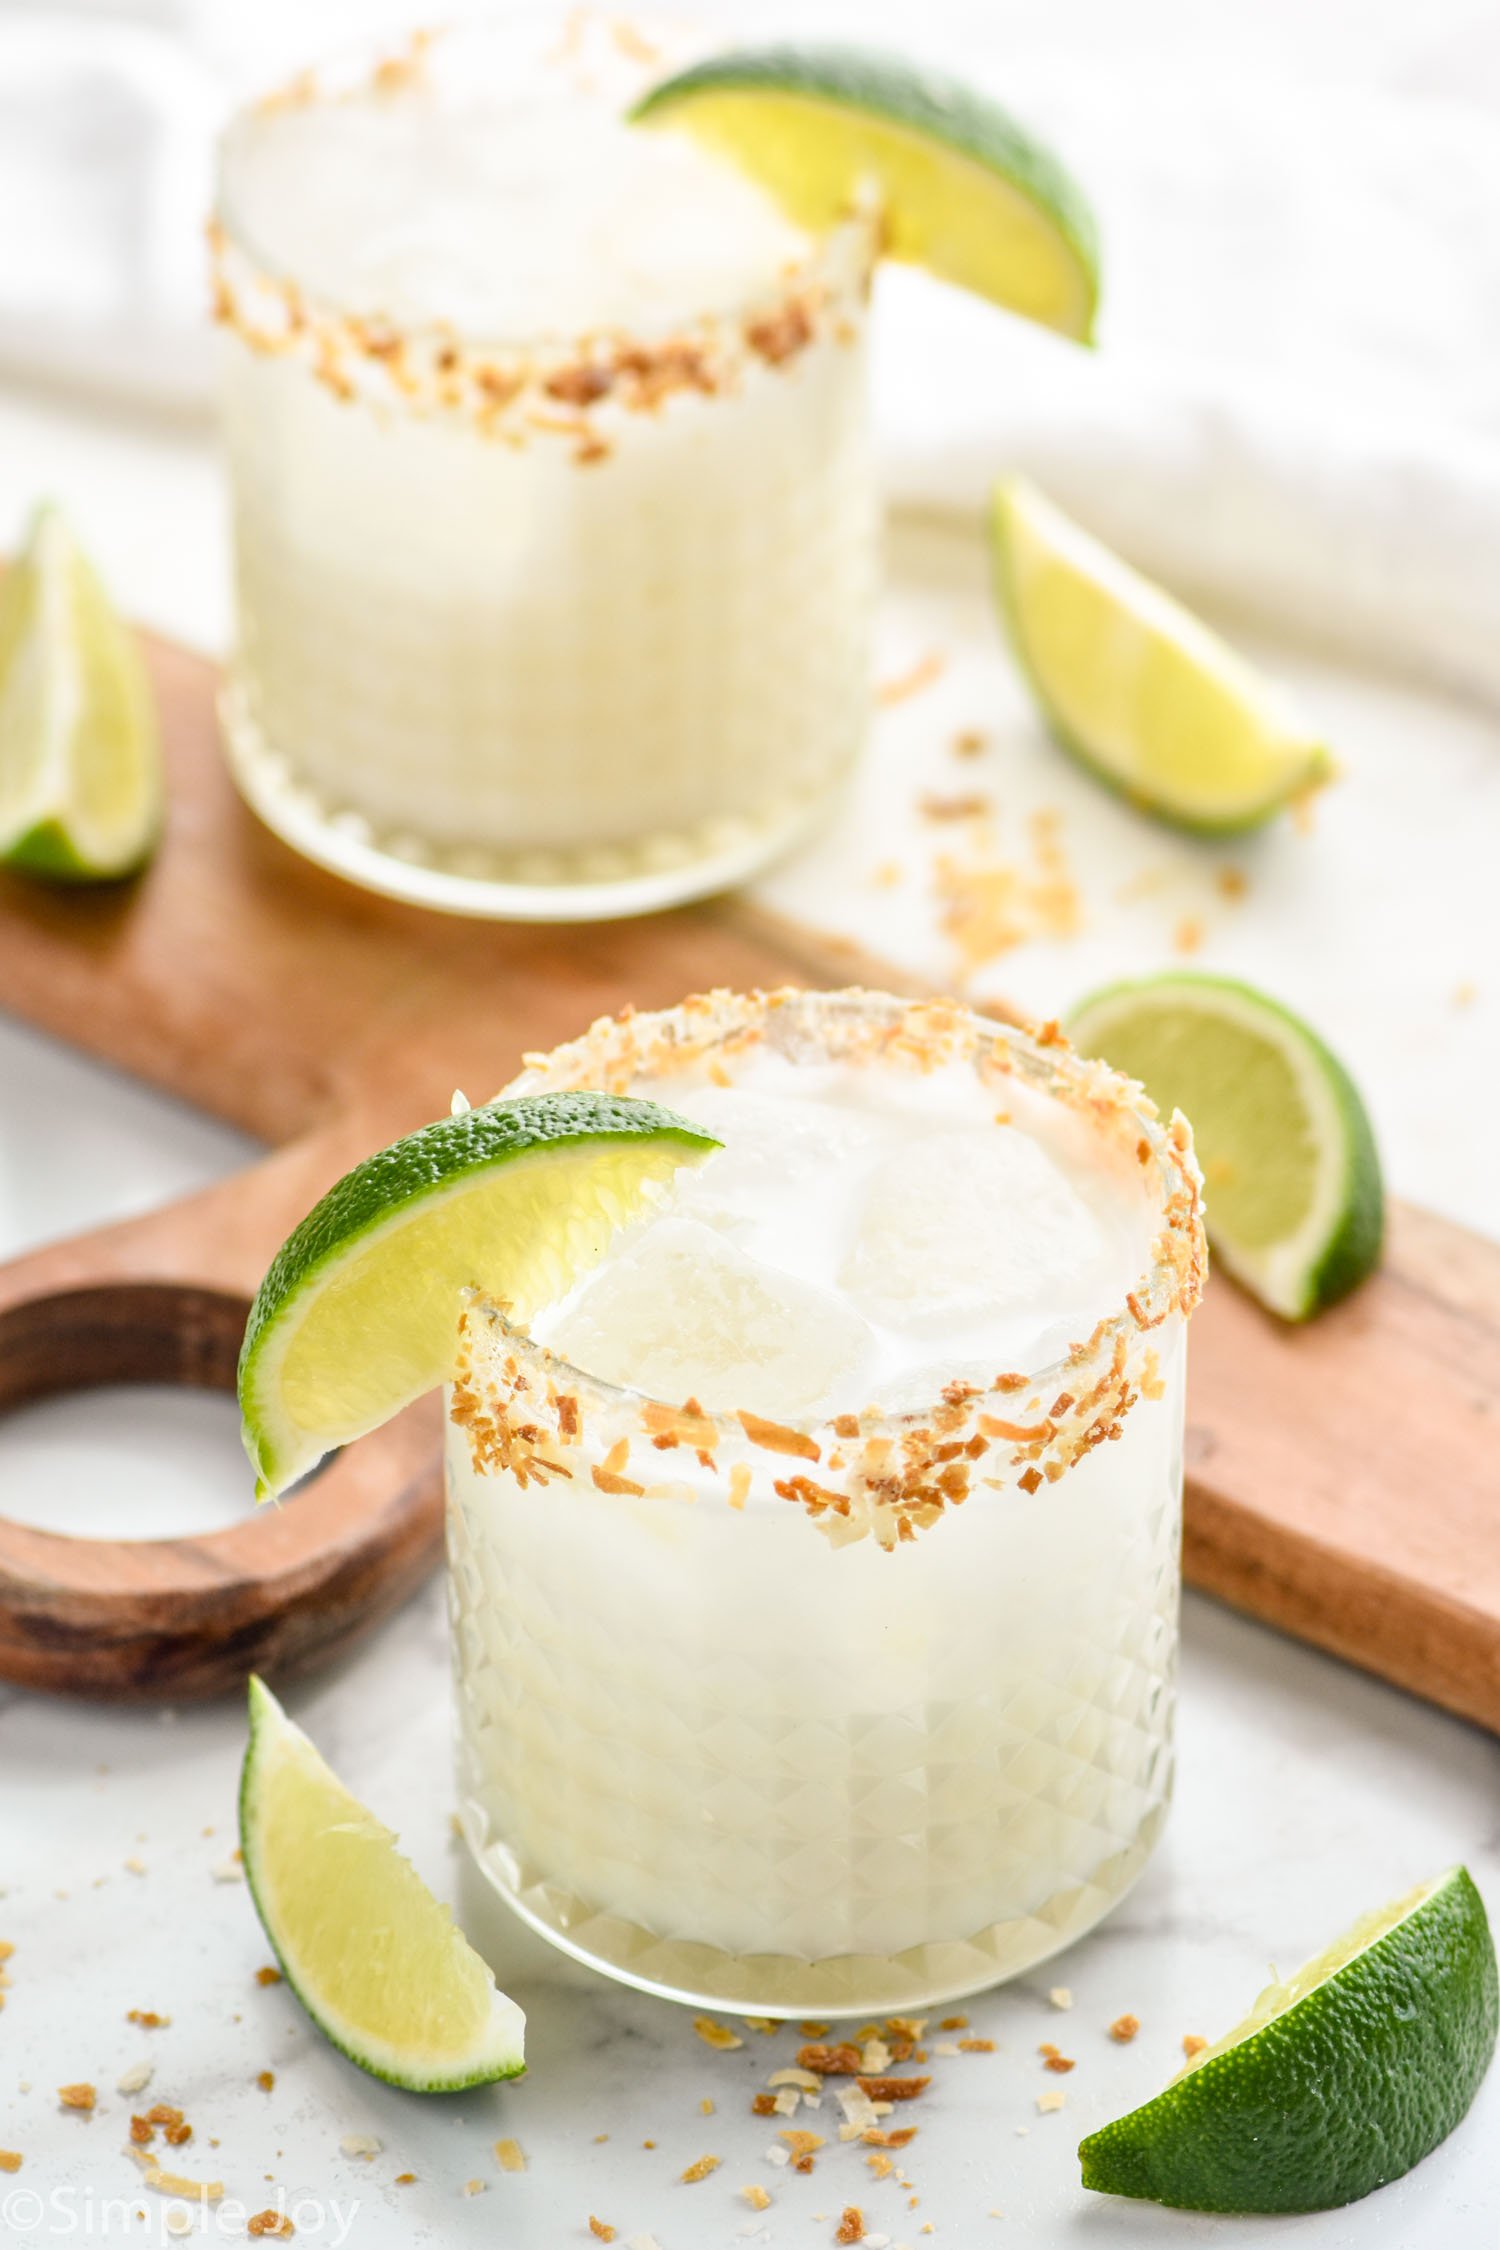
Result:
pixel 359 1311
pixel 963 189
pixel 1292 1180
pixel 374 1958
pixel 1138 688
pixel 81 791
pixel 1338 2081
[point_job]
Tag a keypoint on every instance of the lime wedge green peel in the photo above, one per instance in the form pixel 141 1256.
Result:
pixel 374 1958
pixel 81 793
pixel 359 1312
pixel 1337 2082
pixel 1135 687
pixel 1292 1179
pixel 964 190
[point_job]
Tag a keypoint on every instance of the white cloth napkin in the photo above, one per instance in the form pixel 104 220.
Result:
pixel 1293 413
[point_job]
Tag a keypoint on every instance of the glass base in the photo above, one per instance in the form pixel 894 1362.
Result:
pixel 852 1984
pixel 601 883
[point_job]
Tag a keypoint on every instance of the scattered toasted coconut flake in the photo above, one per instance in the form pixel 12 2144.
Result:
pixel 601 2229
pixel 265 2080
pixel 705 2107
pixel 905 685
pixel 142 2131
pixel 1051 2100
pixel 699 2169
pixel 874 2057
pixel 268 1975
pixel 79 2096
pixel 976 2046
pixel 174 2183
pixel 801 2147
pixel 1124 2029
pixel 968 743
pixel 758 2198
pixel 1231 882
pixel 716 2035
pixel 1193 2045
pixel 147 2018
pixel 11 2160
pixel 972 807
pixel 841 2061
pixel 642 2242
pixel 1053 2058
pixel 954 2023
pixel 776 2155
pixel 134 1866
pixel 510 2156
pixel 889 2089
pixel 851 2227
pixel 763 2105
pixel 808 2080
pixel 406 2179
pixel 784 2101
pixel 361 2146
pixel 231 1870
pixel 988 904
pixel 1188 936
pixel 272 2223
pixel 740 1481
pixel 476 2187
pixel 819 2030
pixel 761 2023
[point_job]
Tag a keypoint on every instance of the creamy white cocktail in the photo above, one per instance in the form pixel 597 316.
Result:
pixel 554 516
pixel 815 1559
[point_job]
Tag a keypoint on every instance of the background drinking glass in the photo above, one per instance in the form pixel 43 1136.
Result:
pixel 555 568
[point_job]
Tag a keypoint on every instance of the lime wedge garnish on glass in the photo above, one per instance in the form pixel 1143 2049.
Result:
pixel 964 190
pixel 1338 2080
pixel 1291 1172
pixel 81 791
pixel 1135 686
pixel 359 1311
pixel 374 1958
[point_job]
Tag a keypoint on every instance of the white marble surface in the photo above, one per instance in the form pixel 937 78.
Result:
pixel 1306 1793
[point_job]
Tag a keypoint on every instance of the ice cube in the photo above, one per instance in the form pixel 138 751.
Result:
pixel 683 1312
pixel 771 1146
pixel 967 1223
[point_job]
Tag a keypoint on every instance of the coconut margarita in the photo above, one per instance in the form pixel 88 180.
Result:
pixel 815 1558
pixel 554 515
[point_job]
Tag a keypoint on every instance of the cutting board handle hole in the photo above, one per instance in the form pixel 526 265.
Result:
pixel 120 1332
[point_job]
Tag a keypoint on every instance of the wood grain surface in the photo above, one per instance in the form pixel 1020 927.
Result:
pixel 1343 1479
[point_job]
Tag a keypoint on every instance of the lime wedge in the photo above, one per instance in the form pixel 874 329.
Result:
pixel 373 1957
pixel 80 763
pixel 1133 684
pixel 359 1311
pixel 1338 2080
pixel 1291 1172
pixel 964 190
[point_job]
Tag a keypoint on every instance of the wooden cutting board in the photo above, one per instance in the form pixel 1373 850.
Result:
pixel 1343 1480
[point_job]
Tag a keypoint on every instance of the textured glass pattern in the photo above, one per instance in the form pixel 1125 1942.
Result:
pixel 500 659
pixel 713 1754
